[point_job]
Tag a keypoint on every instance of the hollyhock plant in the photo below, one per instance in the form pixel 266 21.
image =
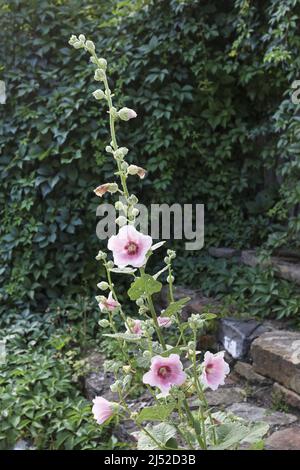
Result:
pixel 164 373
pixel 215 370
pixel 129 247
pixel 109 303
pixel 102 409
pixel 147 354
pixel 164 322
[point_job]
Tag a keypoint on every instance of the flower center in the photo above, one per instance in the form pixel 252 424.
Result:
pixel 132 248
pixel 208 368
pixel 164 371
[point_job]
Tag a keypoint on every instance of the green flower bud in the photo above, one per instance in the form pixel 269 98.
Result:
pixel 103 285
pixel 133 199
pixel 93 60
pixel 121 221
pixel 78 45
pixel 171 254
pixel 99 75
pixel 101 256
pixel 103 323
pixel 135 212
pixel 73 39
pixel 81 37
pixel 90 46
pixel 108 149
pixel 110 264
pixel 102 64
pixel 126 113
pixel 170 279
pixel 115 386
pixel 167 260
pixel 124 166
pixel 98 94
pixel 140 302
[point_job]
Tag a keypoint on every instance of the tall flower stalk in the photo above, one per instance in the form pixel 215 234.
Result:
pixel 176 375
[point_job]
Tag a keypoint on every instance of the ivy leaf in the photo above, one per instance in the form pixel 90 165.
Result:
pixel 155 413
pixel 144 285
pixel 176 307
pixel 162 433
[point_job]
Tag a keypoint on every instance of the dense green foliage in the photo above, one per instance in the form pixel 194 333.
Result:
pixel 40 381
pixel 211 82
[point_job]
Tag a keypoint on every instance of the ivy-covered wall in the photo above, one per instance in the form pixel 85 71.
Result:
pixel 211 83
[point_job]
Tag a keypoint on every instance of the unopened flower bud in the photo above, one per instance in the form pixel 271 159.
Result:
pixel 103 323
pixel 121 152
pixel 99 75
pixel 81 37
pixel 135 212
pixel 121 221
pixel 110 264
pixel 115 386
pixel 103 285
pixel 126 113
pixel 166 260
pixel 108 149
pixel 72 39
pixel 101 255
pixel 133 199
pixel 78 44
pixel 140 302
pixel 136 170
pixel 170 279
pixel 90 46
pixel 98 94
pixel 119 206
pixel 102 64
pixel 104 188
pixel 171 254
pixel 124 166
pixel 93 60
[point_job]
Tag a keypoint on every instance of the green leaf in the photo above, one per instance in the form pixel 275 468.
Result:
pixel 175 307
pixel 155 413
pixel 124 336
pixel 144 285
pixel 162 433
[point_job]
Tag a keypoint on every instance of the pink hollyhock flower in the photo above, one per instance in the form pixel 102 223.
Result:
pixel 215 370
pixel 129 247
pixel 164 373
pixel 109 304
pixel 102 409
pixel 164 322
pixel 135 327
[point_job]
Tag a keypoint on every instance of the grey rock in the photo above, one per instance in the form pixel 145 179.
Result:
pixel 253 413
pixel 246 371
pixel 286 439
pixel 225 396
pixel 286 395
pixel 236 335
pixel 276 354
pixel 97 382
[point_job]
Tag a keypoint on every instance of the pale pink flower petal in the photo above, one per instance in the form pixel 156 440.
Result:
pixel 135 327
pixel 109 304
pixel 215 370
pixel 129 247
pixel 164 322
pixel 102 409
pixel 164 373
